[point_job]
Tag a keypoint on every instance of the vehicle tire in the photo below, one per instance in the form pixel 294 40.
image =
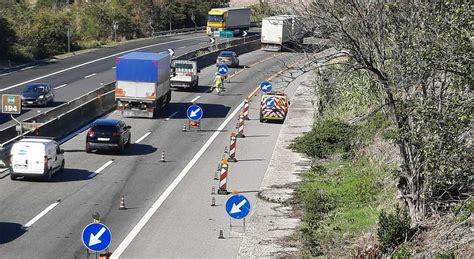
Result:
pixel 168 98
pixel 120 149
pixel 13 177
pixel 88 148
pixel 49 175
pixel 127 145
pixel 62 165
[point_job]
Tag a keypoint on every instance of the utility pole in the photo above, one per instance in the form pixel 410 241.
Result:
pixel 193 18
pixel 68 39
pixel 115 25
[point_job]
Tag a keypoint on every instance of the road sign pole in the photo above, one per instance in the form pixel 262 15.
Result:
pixel 19 122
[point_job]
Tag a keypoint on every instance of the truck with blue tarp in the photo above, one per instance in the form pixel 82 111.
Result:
pixel 142 83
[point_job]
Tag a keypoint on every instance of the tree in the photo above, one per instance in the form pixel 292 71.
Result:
pixel 420 56
pixel 7 36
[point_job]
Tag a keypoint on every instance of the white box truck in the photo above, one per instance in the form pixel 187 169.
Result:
pixel 185 74
pixel 142 83
pixel 281 30
pixel 235 19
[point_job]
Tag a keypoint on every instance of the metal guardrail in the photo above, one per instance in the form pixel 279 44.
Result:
pixel 160 33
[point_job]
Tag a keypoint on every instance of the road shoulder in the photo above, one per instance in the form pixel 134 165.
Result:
pixel 272 222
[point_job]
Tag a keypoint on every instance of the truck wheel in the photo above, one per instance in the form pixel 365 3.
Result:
pixel 129 141
pixel 13 177
pixel 168 98
pixel 261 118
pixel 62 166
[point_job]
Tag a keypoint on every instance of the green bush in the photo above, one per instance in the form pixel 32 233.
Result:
pixel 327 137
pixel 393 229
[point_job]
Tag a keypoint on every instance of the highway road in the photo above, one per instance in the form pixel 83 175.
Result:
pixel 56 212
pixel 76 75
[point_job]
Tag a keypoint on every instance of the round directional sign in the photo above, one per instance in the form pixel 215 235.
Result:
pixel 223 69
pixel 237 206
pixel 194 112
pixel 96 237
pixel 266 87
pixel 269 102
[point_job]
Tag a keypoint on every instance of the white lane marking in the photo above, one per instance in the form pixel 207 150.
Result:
pixel 114 67
pixel 44 212
pixel 96 60
pixel 129 238
pixel 26 68
pixel 5 74
pixel 203 43
pixel 195 99
pixel 143 137
pixel 171 116
pixel 61 86
pixel 101 169
pixel 91 75
pixel 182 47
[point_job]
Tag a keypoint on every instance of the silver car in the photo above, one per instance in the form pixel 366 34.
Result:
pixel 229 58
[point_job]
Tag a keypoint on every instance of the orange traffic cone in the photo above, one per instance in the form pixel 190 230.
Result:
pixel 122 203
pixel 163 156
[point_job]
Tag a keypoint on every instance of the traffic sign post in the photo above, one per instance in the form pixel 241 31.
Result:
pixel 244 34
pixel 194 114
pixel 266 86
pixel 238 207
pixel 96 237
pixel 11 104
pixel 223 70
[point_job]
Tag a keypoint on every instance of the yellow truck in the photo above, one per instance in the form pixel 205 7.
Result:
pixel 235 19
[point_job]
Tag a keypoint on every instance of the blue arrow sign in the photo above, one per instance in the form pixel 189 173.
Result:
pixel 194 112
pixel 223 69
pixel 96 237
pixel 237 206
pixel 269 102
pixel 266 86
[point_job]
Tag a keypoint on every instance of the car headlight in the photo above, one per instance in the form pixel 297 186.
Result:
pixel 41 97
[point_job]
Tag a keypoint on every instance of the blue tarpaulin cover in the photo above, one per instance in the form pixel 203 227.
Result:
pixel 141 66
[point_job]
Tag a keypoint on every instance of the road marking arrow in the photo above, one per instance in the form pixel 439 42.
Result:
pixel 95 239
pixel 194 113
pixel 236 208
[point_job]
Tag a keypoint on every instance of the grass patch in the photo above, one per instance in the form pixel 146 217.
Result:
pixel 341 199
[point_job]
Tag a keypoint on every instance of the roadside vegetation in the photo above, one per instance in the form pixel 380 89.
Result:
pixel 392 145
pixel 38 31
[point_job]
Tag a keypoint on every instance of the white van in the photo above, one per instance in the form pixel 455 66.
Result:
pixel 36 157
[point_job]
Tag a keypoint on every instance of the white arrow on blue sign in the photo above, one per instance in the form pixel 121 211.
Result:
pixel 96 237
pixel 266 86
pixel 237 206
pixel 269 102
pixel 194 112
pixel 223 69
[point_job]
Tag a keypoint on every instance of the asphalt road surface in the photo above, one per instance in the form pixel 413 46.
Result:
pixel 76 75
pixel 56 212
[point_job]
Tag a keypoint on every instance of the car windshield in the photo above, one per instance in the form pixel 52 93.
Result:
pixel 35 89
pixel 226 54
pixel 104 128
pixel 215 18
pixel 183 66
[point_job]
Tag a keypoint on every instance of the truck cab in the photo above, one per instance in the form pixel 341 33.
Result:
pixel 184 74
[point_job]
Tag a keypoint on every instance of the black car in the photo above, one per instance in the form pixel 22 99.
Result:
pixel 37 94
pixel 108 134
